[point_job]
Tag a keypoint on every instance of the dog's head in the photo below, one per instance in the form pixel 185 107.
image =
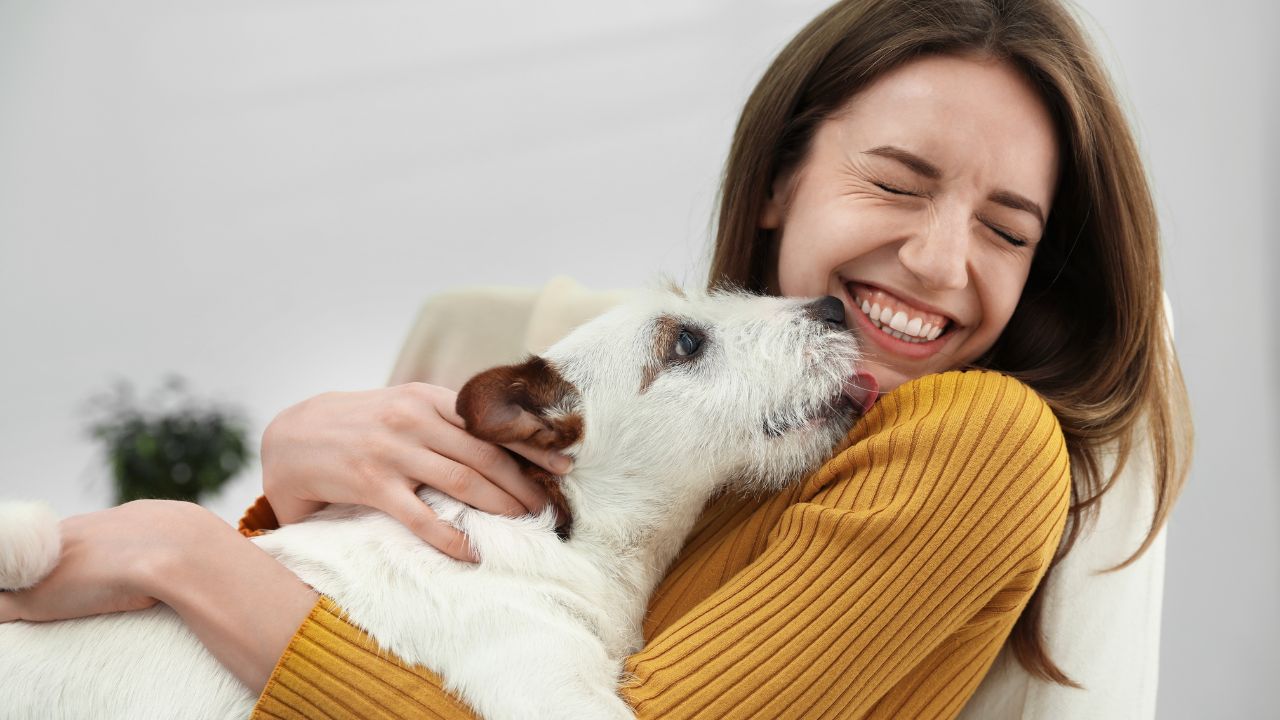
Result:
pixel 674 395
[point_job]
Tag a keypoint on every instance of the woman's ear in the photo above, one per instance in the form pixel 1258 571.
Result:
pixel 775 206
pixel 528 402
pixel 771 213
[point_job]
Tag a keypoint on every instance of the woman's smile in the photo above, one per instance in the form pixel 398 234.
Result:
pixel 893 324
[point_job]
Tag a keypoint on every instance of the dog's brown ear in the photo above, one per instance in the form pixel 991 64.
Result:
pixel 525 402
pixel 522 402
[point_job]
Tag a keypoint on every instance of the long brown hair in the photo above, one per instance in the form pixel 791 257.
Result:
pixel 1089 333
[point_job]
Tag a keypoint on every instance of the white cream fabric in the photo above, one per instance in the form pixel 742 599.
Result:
pixel 1102 628
pixel 461 332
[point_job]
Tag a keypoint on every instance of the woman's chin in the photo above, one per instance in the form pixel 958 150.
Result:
pixel 887 378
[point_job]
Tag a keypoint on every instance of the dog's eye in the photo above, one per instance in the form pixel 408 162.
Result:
pixel 687 344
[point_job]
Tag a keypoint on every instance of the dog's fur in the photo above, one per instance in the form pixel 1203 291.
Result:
pixel 540 627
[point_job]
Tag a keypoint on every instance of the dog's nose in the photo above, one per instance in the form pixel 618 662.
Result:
pixel 828 310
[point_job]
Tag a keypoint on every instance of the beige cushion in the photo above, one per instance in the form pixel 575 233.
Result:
pixel 461 332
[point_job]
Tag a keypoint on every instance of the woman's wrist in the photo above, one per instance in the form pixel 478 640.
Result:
pixel 182 532
pixel 238 600
pixel 287 507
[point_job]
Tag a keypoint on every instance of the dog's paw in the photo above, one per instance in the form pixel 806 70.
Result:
pixel 29 544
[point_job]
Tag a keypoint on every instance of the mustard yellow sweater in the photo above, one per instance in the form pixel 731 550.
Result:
pixel 882 587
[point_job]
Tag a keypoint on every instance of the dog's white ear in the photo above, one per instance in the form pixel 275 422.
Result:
pixel 525 402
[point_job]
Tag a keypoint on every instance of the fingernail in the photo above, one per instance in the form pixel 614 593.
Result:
pixel 561 464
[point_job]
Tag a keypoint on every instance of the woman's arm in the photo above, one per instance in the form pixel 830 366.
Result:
pixel 884 588
pixel 242 604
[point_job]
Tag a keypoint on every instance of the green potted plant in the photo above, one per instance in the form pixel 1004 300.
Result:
pixel 172 447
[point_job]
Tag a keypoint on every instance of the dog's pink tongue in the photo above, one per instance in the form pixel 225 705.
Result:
pixel 863 390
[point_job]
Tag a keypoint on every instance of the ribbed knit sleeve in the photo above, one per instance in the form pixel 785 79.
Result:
pixel 259 518
pixel 886 585
pixel 881 587
pixel 331 669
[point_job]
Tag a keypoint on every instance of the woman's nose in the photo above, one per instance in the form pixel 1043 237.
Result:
pixel 939 256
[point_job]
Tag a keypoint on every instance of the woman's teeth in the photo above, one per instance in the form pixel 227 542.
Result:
pixel 899 324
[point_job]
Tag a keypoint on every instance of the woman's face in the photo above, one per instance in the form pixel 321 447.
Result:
pixel 903 204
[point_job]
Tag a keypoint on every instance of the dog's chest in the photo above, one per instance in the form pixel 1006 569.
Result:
pixel 430 610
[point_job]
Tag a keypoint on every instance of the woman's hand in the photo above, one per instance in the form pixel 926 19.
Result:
pixel 376 447
pixel 242 604
pixel 108 561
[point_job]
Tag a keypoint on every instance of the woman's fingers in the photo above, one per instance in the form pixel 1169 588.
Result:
pixel 458 480
pixel 550 460
pixel 493 463
pixel 403 504
pixel 453 441
pixel 363 446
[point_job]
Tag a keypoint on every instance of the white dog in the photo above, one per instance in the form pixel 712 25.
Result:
pixel 662 402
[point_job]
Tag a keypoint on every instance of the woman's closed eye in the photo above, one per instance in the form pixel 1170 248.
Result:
pixel 1004 234
pixel 1009 237
pixel 895 190
pixel 1012 239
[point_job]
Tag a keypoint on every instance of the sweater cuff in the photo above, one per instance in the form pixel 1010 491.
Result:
pixel 258 519
pixel 332 670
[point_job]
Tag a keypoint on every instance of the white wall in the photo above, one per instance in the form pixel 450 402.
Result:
pixel 258 195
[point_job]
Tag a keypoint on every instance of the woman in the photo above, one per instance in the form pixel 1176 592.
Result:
pixel 960 174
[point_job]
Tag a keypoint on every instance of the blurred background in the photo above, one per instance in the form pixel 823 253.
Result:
pixel 258 196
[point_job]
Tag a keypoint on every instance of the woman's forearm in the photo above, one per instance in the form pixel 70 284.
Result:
pixel 238 600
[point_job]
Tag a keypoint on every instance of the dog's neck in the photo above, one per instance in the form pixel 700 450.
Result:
pixel 628 526
pixel 629 529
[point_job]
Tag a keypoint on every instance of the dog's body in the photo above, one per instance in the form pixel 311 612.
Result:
pixel 662 403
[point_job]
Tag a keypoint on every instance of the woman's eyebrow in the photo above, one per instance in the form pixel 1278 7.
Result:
pixel 914 162
pixel 1017 202
pixel 923 167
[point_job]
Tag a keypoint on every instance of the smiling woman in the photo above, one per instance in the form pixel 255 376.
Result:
pixel 967 164
pixel 958 176
pixel 913 202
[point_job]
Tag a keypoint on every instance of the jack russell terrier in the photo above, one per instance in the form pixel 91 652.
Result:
pixel 661 402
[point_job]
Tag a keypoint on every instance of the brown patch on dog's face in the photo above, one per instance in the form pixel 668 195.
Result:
pixel 516 403
pixel 665 349
pixel 666 330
